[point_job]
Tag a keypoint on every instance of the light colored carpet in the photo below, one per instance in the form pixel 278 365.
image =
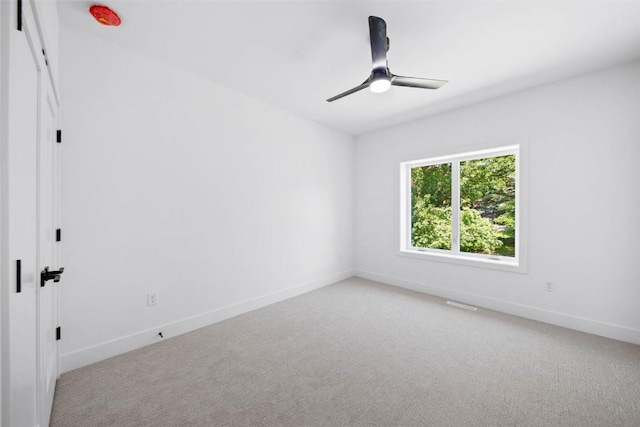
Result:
pixel 359 353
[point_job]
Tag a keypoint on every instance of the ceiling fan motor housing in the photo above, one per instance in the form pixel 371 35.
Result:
pixel 380 74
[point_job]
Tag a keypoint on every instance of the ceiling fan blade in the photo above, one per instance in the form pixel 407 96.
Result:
pixel 378 36
pixel 417 82
pixel 350 91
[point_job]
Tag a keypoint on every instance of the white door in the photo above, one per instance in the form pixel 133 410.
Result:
pixel 47 251
pixel 29 172
pixel 19 169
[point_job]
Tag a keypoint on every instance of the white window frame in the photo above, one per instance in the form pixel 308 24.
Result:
pixel 518 263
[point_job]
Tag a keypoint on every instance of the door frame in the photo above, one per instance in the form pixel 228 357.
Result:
pixel 47 102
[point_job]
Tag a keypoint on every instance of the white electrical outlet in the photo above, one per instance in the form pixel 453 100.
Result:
pixel 152 298
pixel 550 286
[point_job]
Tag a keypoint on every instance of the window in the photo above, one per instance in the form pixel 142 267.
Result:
pixel 464 208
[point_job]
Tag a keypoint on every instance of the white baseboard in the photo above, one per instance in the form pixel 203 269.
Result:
pixel 96 353
pixel 582 324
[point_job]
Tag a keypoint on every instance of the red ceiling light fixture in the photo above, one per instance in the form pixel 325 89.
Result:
pixel 104 15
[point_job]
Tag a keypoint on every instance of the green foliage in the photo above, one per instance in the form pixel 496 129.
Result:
pixel 507 219
pixel 431 226
pixel 432 184
pixel 487 206
pixel 486 183
pixel 477 234
pixel 431 203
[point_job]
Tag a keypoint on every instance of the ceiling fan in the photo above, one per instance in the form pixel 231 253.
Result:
pixel 381 79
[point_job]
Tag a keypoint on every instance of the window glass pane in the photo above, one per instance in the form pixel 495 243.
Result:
pixel 488 206
pixel 431 206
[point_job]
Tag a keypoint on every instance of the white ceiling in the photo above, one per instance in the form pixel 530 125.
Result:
pixel 296 54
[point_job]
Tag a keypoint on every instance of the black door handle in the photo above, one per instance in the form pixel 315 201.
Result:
pixel 47 275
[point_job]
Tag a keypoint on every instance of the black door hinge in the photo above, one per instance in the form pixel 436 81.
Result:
pixel 46 61
pixel 18 276
pixel 19 15
pixel 58 333
pixel 58 235
pixel 59 136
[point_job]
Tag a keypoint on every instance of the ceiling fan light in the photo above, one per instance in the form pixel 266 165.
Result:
pixel 380 85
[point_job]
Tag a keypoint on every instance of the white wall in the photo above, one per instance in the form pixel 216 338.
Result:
pixel 172 184
pixel 584 154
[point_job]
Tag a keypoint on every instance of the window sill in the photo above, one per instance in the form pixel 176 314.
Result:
pixel 471 261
